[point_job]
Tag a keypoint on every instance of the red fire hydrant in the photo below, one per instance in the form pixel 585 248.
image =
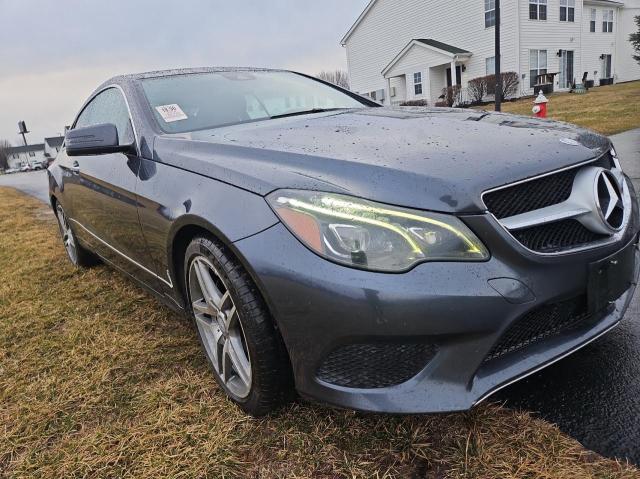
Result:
pixel 540 106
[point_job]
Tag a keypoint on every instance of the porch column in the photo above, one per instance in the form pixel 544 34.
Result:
pixel 388 95
pixel 454 76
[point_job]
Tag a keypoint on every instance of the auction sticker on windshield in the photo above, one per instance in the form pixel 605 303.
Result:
pixel 171 113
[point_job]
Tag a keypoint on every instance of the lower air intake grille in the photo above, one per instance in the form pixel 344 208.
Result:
pixel 556 237
pixel 371 366
pixel 540 324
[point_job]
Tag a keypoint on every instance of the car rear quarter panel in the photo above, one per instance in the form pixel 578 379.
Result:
pixel 171 199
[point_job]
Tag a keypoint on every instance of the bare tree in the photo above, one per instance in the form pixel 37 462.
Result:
pixel 337 77
pixel 4 154
pixel 634 38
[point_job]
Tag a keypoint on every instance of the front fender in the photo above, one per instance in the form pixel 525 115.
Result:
pixel 172 201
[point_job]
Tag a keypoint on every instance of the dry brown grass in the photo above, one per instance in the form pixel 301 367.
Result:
pixel 98 380
pixel 608 110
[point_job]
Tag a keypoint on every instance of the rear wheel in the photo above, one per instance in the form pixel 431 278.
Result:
pixel 78 255
pixel 238 337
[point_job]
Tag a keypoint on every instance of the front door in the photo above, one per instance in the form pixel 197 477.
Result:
pixel 566 68
pixel 458 76
pixel 104 210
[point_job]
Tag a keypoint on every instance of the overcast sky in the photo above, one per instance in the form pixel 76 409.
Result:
pixel 53 53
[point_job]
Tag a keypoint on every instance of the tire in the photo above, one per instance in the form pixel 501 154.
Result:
pixel 237 334
pixel 77 254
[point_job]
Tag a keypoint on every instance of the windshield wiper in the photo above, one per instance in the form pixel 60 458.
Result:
pixel 305 112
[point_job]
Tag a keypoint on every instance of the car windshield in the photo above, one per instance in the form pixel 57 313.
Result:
pixel 191 102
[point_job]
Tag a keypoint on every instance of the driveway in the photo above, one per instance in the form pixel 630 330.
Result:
pixel 592 395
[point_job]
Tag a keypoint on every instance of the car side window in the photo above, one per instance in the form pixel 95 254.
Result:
pixel 108 107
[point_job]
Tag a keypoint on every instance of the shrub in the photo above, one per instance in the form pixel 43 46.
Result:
pixel 510 82
pixel 477 89
pixel 452 95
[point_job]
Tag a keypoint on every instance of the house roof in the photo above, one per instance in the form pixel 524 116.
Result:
pixel 428 43
pixel 54 141
pixel 442 46
pixel 25 149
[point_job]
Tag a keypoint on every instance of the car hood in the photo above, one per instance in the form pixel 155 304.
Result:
pixel 434 159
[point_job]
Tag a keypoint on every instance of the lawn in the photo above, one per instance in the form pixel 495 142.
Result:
pixel 608 109
pixel 97 379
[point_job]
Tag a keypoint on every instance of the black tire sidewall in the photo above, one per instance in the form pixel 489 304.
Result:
pixel 256 329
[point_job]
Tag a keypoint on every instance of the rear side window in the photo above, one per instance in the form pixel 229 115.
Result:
pixel 108 106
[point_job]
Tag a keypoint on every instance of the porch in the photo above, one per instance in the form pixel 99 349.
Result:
pixel 422 70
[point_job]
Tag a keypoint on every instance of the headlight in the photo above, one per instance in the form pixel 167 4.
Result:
pixel 373 236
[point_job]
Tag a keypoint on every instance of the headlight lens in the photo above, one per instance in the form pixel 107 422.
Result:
pixel 373 236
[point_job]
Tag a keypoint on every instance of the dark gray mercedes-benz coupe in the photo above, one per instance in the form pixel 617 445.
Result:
pixel 392 260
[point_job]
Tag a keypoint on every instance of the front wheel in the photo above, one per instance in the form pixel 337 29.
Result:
pixel 78 255
pixel 239 339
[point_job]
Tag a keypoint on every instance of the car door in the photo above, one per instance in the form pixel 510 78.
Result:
pixel 103 199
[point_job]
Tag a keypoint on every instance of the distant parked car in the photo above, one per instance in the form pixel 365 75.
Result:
pixel 38 165
pixel 26 168
pixel 395 260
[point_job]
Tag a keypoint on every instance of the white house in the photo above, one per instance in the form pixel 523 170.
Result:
pixel 20 156
pixel 399 50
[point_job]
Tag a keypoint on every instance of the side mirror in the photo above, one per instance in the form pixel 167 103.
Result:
pixel 94 140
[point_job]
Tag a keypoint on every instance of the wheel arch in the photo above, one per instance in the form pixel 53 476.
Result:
pixel 188 228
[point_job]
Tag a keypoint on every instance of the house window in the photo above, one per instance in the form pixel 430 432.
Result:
pixel 417 83
pixel 537 65
pixel 537 9
pixel 592 23
pixel 607 21
pixel 567 10
pixel 490 65
pixel 31 153
pixel 489 13
pixel 15 157
pixel 606 66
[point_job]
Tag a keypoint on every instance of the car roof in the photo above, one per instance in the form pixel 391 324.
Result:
pixel 184 71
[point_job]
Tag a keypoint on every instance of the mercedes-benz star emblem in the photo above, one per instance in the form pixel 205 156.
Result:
pixel 609 197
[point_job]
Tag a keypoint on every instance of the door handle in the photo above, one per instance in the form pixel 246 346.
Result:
pixel 75 167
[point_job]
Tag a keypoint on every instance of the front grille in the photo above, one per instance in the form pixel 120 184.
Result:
pixel 371 366
pixel 536 194
pixel 532 195
pixel 556 237
pixel 542 323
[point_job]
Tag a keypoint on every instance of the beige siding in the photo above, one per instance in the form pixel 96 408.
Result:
pixel 597 43
pixel 391 24
pixel 551 35
pixel 626 68
pixel 419 59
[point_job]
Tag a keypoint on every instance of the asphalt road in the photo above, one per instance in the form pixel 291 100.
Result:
pixel 33 183
pixel 592 395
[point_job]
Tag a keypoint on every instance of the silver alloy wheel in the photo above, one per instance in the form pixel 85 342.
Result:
pixel 219 326
pixel 67 235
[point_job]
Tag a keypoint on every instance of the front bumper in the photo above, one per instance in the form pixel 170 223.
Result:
pixel 321 307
